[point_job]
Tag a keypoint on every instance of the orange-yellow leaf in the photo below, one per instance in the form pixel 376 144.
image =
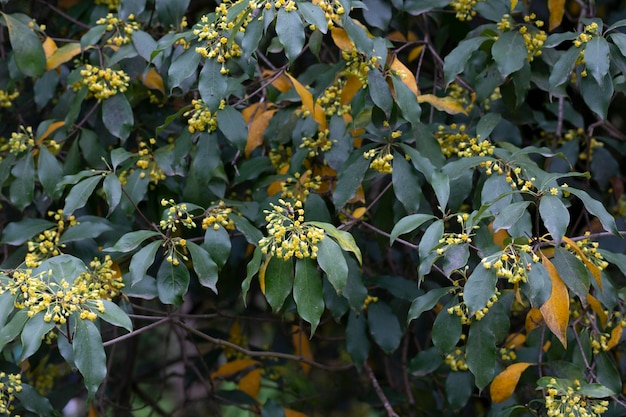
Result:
pixel 447 104
pixel 53 126
pixel 49 47
pixel 281 83
pixel 341 39
pixel 262 274
pixel 62 55
pixel 498 237
pixel 557 10
pixel 251 383
pixel 231 368
pixel 504 383
pixel 397 36
pixel 328 176
pixel 405 75
pixel 352 86
pixel 275 188
pixel 293 413
pixel 595 271
pixel 308 103
pixel 597 308
pixel 533 320
pixel 616 336
pixel 256 130
pixel 359 212
pixel 415 53
pixel 555 310
pixel 301 347
pixel 92 411
pixel 514 341
pixel 154 81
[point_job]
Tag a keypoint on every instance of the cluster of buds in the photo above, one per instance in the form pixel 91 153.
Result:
pixel 462 96
pixel 563 400
pixel 455 140
pixel 330 100
pixel 358 64
pixel 288 234
pixel 111 4
pixel 512 263
pixel 47 243
pixel 381 159
pixel 20 141
pixel 280 158
pixel 217 35
pixel 456 360
pixel 480 314
pixel 534 36
pixel 589 249
pixel 6 98
pixel 102 278
pixel 450 238
pixel 121 30
pixel 218 216
pixel 10 384
pixel 464 9
pixel 147 162
pixel 175 216
pixel 200 118
pixel 176 250
pixel 320 142
pixel 300 186
pixel 333 10
pixel 103 83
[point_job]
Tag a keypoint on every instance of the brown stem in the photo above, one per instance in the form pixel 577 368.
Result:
pixel 379 391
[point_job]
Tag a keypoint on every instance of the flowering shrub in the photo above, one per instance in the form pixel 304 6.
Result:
pixel 312 207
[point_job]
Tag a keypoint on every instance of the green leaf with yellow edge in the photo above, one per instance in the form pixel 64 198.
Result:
pixel 448 104
pixel 307 292
pixel 555 311
pixel 317 112
pixel 344 239
pixel 503 385
pixel 277 280
pixel 63 55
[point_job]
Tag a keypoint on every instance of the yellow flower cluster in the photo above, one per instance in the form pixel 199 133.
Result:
pixel 599 343
pixel 450 238
pixel 6 98
pixel 454 140
pixel 333 10
pixel 103 82
pixel 280 158
pixel 566 402
pixel 589 32
pixel 177 249
pixel 330 100
pixel 217 216
pixel 590 250
pixel 217 37
pixel 147 162
pixel 464 9
pixel 513 175
pixel 176 215
pixel 507 354
pixel 512 263
pixel 534 37
pixel 9 385
pixel 201 118
pixel 103 278
pixel 381 159
pixel 288 234
pixel 369 300
pixel 57 300
pixel 588 153
pixel 358 64
pixel 21 141
pixel 45 374
pixel 111 4
pixel 321 142
pixel 46 244
pixel 300 186
pixel 122 30
pixel 456 360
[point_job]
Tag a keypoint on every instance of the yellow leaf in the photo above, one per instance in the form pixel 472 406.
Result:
pixel 359 197
pixel 513 4
pixel 514 341
pixel 62 55
pixel 281 83
pixel 49 47
pixel 504 383
pixel 301 347
pixel 92 411
pixel 555 310
pixel 251 383
pixel 406 75
pixel 308 103
pixel 415 53
pixel 293 413
pixel 53 126
pixel 352 86
pixel 262 274
pixel 616 336
pixel 498 237
pixel 557 10
pixel 359 212
pixel 341 39
pixel 256 130
pixel 154 81
pixel 597 308
pixel 328 176
pixel 229 369
pixel 595 271
pixel 447 104
pixel 533 320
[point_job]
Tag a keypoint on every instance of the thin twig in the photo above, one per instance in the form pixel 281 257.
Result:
pixel 379 391
pixel 136 332
pixel 65 15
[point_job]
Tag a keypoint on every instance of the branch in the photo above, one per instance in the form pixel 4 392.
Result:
pixel 136 332
pixel 379 391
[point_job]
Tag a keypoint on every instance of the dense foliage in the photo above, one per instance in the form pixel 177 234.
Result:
pixel 327 207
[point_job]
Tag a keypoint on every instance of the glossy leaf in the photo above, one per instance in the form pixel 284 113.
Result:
pixel 290 33
pixel 114 315
pixel 117 116
pixel 172 282
pixel 131 241
pixel 27 50
pixel 554 215
pixel 572 271
pixel 141 261
pixel 343 238
pixel 307 292
pixel 509 52
pixel 406 184
pixel 331 260
pixel 205 267
pixel 480 352
pixel 278 281
pixel 384 326
pixel 357 341
pixel 408 224
pixel 33 333
pixel 89 355
pixel 425 302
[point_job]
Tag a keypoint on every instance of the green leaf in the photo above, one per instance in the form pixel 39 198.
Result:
pixel 454 62
pixel 34 402
pixel 619 39
pixel 80 193
pixel 205 267
pixel 496 193
pixel 486 124
pixel 406 100
pixel 357 342
pixel 509 52
pixel 597 96
pixel 49 172
pixel 563 68
pixel 172 283
pixel 16 233
pixel 425 362
pixel 131 240
pixel 217 243
pixel 233 126
pixel 184 66
pixel 607 373
pixel 6 304
pixel 141 261
pixel 408 224
pixel 22 189
pixel 597 58
pixel 554 215
pixel 430 239
pixel 479 288
pixel 508 217
pixel 87 227
pixel 115 315
pixel 249 231
pixel 419 161
pixel 595 391
pixel 441 185
pixel 61 268
pixel 89 355
pixel 27 49
pixel 459 389
pixel 92 36
pixel 278 279
pixel 384 326
pixel 33 333
pixel 343 238
pixel 572 271
pixel 406 184
pixel 349 179
pixel 539 286
pixel 13 328
pixel 251 270
pixel 379 91
pixel 425 302
pixel 212 84
pixel 290 33
pixel 307 292
pixel 113 191
pixel 313 15
pixel 331 260
pixel 480 352
pixel 596 209
pixel 117 116
pixel 447 330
